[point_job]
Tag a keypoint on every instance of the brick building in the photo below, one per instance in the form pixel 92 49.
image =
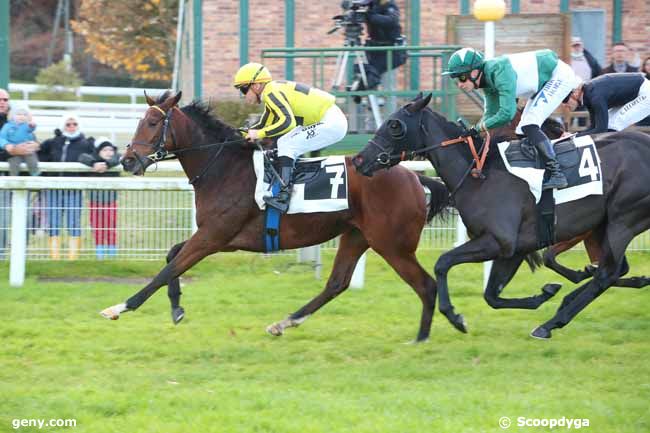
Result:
pixel 223 29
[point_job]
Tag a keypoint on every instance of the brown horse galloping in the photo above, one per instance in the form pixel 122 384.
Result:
pixel 386 213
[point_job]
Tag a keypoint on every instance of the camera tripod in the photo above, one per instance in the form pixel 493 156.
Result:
pixel 353 39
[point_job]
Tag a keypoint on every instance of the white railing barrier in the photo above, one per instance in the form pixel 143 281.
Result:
pixel 20 186
pixel 131 92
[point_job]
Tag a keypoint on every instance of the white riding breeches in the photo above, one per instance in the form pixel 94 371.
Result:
pixel 302 139
pixel 632 112
pixel 543 103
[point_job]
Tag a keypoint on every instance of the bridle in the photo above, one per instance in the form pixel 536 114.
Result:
pixel 161 153
pixel 388 159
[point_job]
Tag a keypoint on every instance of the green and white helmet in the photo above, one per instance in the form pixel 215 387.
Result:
pixel 464 61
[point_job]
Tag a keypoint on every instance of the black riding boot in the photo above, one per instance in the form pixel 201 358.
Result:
pixel 556 180
pixel 281 200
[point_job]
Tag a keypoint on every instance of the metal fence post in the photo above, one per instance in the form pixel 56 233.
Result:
pixel 18 237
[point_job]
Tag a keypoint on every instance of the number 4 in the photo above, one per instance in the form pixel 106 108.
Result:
pixel 588 166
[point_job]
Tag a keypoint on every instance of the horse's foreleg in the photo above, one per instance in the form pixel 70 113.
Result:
pixel 555 250
pixel 195 249
pixel 502 272
pixel 407 266
pixel 351 246
pixel 174 288
pixel 475 250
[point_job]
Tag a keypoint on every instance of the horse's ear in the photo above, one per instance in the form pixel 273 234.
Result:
pixel 419 103
pixel 418 97
pixel 177 98
pixel 149 100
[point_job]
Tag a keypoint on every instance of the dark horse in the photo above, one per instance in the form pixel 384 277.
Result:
pixel 554 129
pixel 499 211
pixel 386 213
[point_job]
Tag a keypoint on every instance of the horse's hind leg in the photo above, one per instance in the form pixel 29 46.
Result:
pixel 555 250
pixel 174 288
pixel 609 271
pixel 631 282
pixel 351 246
pixel 408 267
pixel 502 272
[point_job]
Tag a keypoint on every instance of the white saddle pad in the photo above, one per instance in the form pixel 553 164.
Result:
pixel 585 180
pixel 326 191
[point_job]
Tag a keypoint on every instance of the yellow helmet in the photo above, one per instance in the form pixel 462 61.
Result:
pixel 252 73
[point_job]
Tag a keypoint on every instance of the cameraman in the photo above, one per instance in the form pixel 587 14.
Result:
pixel 384 29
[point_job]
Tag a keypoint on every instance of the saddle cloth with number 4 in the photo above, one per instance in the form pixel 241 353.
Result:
pixel 579 161
pixel 320 184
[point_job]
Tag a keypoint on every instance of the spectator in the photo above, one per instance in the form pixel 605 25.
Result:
pixel 645 67
pixel 583 63
pixel 66 146
pixel 620 55
pixel 20 129
pixel 383 30
pixel 8 151
pixel 103 204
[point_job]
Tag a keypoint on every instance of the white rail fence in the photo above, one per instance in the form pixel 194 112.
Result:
pixel 115 120
pixel 150 215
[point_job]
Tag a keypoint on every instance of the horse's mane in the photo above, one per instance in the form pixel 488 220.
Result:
pixel 203 115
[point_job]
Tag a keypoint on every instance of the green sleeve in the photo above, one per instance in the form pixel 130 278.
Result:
pixel 500 100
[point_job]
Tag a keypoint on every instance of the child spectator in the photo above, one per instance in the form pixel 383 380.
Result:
pixel 103 203
pixel 19 129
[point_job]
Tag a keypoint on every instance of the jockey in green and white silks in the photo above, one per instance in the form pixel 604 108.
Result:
pixel 538 76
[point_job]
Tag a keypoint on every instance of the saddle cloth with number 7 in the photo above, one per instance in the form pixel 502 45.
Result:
pixel 320 184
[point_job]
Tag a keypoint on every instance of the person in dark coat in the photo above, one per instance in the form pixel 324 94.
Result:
pixel 620 54
pixel 103 203
pixel 67 145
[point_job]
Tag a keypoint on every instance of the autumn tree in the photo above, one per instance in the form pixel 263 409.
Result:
pixel 136 35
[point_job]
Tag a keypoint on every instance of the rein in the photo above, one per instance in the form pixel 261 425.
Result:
pixel 478 160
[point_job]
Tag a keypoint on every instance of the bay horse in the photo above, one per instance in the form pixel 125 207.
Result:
pixel 499 210
pixel 386 213
pixel 554 129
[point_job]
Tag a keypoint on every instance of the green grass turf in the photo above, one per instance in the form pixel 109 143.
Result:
pixel 347 369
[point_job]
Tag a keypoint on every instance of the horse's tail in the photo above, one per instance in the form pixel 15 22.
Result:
pixel 534 260
pixel 439 195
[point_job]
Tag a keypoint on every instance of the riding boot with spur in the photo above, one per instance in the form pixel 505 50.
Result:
pixel 282 198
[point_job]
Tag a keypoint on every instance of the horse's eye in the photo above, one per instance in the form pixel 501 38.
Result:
pixel 397 128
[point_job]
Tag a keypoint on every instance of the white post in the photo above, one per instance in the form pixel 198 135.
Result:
pixel 461 232
pixel 489 39
pixel 487 268
pixel 358 276
pixel 18 237
pixel 311 254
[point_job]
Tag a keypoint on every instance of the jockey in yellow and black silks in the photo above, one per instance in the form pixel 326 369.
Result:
pixel 305 118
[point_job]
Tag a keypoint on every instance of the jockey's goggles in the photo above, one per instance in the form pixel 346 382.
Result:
pixel 244 89
pixel 461 77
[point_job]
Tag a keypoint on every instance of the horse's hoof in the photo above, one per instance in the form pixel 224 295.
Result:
pixel 113 313
pixel 551 289
pixel 459 323
pixel 110 313
pixel 541 333
pixel 177 315
pixel 275 330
